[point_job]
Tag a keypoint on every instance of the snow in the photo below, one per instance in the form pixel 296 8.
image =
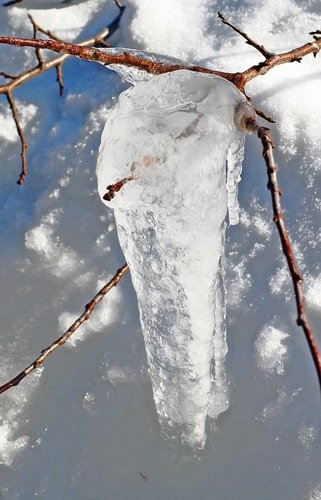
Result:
pixel 67 24
pixel 271 349
pixel 8 130
pixel 88 424
pixel 163 28
pixel 313 295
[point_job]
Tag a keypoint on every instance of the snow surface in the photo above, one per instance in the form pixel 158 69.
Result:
pixel 85 426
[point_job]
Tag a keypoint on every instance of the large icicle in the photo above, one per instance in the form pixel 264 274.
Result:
pixel 171 135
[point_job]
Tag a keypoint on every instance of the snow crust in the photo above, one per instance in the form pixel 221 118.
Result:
pixel 163 27
pixel 271 349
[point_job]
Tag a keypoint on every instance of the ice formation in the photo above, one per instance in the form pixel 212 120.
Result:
pixel 132 74
pixel 170 136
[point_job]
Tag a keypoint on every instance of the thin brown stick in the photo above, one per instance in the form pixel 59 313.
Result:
pixel 37 28
pixel 248 40
pixel 15 115
pixel 112 189
pixel 60 79
pixel 62 340
pixel 278 217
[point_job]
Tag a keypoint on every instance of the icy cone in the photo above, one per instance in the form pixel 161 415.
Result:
pixel 168 138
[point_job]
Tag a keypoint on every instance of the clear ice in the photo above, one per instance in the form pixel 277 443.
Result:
pixel 132 74
pixel 172 134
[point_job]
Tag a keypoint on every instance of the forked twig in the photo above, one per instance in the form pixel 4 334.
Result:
pixel 248 40
pixel 62 340
pixel 60 79
pixel 42 66
pixel 263 134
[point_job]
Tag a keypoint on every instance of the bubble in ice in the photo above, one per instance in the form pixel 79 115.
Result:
pixel 164 150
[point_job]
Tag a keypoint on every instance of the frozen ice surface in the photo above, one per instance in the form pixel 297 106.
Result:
pixel 172 134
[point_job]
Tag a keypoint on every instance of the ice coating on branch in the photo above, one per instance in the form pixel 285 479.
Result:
pixel 170 137
pixel 130 73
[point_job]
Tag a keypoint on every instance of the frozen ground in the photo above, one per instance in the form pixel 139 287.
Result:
pixel 85 426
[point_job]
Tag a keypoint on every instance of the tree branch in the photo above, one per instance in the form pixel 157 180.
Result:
pixel 272 59
pixel 62 340
pixel 42 66
pixel 263 134
pixel 239 79
pixel 94 54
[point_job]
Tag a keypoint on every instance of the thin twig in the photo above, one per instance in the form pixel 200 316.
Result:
pixel 263 115
pixel 16 81
pixel 33 72
pixel 62 340
pixel 112 189
pixel 37 27
pixel 15 115
pixel 60 79
pixel 35 31
pixel 278 217
pixel 248 40
pixel 8 75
